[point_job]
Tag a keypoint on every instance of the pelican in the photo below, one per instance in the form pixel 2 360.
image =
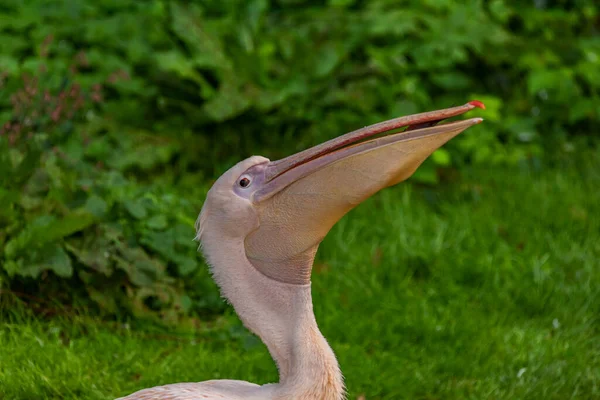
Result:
pixel 259 230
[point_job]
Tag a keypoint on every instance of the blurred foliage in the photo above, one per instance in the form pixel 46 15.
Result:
pixel 116 113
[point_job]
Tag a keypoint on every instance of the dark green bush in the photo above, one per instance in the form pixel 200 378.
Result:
pixel 98 198
pixel 70 216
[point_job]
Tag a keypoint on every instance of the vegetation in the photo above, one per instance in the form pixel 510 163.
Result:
pixel 485 289
pixel 116 115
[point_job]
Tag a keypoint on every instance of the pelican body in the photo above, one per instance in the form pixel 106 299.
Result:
pixel 259 230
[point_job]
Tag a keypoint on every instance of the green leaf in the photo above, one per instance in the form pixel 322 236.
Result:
pixel 136 208
pixel 228 103
pixel 142 269
pixel 96 206
pixel 94 252
pixel 157 222
pixel 50 258
pixel 175 62
pixel 170 243
pixel 560 82
pixel 441 157
pixel 9 64
pixel 327 59
pixel 205 45
pixel 45 229
pixel 58 261
pixel 185 303
pixel 186 265
pixel 451 80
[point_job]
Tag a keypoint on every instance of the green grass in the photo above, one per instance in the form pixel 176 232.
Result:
pixel 487 288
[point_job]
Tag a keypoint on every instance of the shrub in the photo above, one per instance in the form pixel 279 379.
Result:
pixel 115 114
pixel 74 226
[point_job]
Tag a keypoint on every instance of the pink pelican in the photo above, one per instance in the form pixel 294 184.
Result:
pixel 260 227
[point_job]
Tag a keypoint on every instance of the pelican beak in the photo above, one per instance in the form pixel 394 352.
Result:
pixel 305 194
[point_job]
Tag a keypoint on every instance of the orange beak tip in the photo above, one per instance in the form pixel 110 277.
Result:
pixel 477 103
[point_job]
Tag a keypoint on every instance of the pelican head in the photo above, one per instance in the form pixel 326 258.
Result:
pixel 281 210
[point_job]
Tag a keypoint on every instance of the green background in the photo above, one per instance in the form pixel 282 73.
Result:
pixel 480 279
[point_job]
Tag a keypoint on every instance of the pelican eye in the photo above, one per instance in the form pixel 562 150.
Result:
pixel 244 182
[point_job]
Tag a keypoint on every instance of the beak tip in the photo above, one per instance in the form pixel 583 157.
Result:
pixel 477 103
